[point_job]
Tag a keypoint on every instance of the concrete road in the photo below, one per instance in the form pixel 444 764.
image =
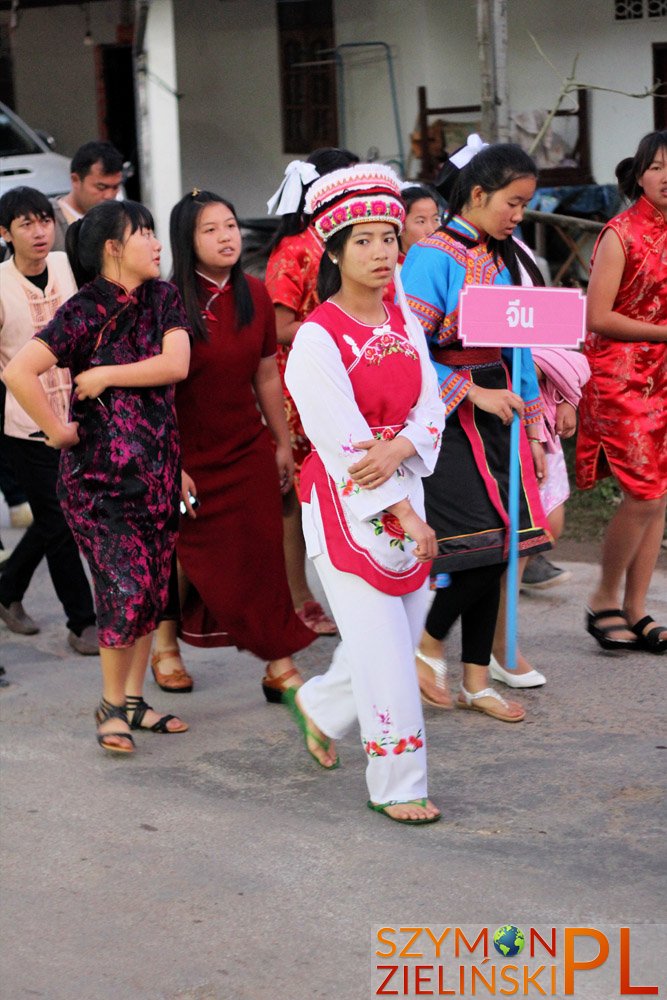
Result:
pixel 222 864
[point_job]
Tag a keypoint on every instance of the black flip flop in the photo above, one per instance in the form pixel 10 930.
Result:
pixel 601 633
pixel 650 640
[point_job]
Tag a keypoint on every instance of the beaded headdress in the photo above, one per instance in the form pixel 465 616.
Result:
pixel 364 192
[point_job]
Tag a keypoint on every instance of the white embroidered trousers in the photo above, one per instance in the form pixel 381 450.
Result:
pixel 373 678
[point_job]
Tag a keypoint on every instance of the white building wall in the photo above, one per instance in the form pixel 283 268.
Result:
pixel 54 72
pixel 227 70
pixel 159 117
pixel 230 109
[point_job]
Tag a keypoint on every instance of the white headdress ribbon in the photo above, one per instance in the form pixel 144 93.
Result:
pixel 474 144
pixel 298 173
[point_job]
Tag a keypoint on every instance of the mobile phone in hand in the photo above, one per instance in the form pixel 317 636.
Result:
pixel 193 501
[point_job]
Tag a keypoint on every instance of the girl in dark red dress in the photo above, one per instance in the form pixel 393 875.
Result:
pixel 623 429
pixel 230 547
pixel 124 338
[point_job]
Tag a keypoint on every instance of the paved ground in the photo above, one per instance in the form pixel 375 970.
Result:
pixel 224 865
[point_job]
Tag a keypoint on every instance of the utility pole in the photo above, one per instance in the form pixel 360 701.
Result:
pixel 487 69
pixel 492 47
pixel 499 40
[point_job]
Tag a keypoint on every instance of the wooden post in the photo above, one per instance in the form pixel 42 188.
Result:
pixel 487 70
pixel 501 92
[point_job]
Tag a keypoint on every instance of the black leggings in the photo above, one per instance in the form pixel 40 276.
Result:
pixel 473 595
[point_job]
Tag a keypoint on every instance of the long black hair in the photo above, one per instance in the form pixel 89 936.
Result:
pixel 324 160
pixel 328 276
pixel 629 171
pixel 182 224
pixel 493 168
pixel 85 238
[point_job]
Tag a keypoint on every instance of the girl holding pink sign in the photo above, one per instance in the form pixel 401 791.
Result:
pixel 467 496
pixel 624 407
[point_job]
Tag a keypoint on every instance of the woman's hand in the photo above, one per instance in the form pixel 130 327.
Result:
pixel 67 438
pixel 539 460
pixel 502 402
pixel 92 383
pixel 285 463
pixel 566 419
pixel 418 530
pixel 381 460
pixel 188 488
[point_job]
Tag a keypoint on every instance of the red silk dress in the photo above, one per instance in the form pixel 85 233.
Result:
pixel 291 280
pixel 623 411
pixel 232 554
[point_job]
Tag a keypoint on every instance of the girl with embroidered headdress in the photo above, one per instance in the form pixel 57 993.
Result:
pixel 623 426
pixel 236 454
pixel 359 373
pixel 291 279
pixel 487 191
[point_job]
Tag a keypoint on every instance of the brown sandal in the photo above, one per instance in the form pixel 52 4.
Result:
pixel 275 687
pixel 177 682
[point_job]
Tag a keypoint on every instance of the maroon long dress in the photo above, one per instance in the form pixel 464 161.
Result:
pixel 232 553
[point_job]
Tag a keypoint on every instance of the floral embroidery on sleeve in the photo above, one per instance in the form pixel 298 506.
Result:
pixel 436 435
pixel 390 525
pixel 348 487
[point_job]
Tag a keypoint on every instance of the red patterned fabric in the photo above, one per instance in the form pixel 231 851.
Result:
pixel 623 411
pixel 291 280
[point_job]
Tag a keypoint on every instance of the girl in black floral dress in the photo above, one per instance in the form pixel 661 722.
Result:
pixel 124 337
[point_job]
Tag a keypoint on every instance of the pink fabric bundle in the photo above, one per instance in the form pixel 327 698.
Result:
pixel 565 374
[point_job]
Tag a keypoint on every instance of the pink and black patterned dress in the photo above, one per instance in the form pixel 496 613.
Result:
pixel 119 486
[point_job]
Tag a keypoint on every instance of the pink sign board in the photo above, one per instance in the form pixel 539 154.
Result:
pixel 511 316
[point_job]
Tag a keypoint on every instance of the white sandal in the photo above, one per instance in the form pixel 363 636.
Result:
pixel 471 697
pixel 439 668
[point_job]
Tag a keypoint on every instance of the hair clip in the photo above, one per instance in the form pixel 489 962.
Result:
pixel 195 192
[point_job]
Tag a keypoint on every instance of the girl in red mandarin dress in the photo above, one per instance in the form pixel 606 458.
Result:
pixel 623 424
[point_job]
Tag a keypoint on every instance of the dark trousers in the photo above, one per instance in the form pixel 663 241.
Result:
pixel 35 466
pixel 473 595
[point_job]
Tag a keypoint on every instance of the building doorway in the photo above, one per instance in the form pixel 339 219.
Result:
pixel 116 107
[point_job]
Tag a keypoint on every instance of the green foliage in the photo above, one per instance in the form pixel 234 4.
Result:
pixel 588 512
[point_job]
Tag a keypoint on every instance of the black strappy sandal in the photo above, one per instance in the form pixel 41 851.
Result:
pixel 650 640
pixel 105 710
pixel 138 707
pixel 602 633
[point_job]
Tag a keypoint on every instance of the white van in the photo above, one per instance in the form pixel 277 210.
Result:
pixel 26 158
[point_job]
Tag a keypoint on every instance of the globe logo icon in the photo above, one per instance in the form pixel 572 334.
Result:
pixel 509 940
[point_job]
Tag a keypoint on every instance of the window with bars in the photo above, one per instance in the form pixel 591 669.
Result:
pixel 634 10
pixel 308 75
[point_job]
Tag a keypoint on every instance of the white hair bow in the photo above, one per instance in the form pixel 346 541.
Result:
pixel 298 173
pixel 474 144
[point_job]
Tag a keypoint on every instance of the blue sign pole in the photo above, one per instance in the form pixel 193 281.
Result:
pixel 512 593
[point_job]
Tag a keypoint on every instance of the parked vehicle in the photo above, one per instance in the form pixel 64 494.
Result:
pixel 26 157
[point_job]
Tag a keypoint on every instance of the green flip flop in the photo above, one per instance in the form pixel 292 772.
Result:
pixel 381 807
pixel 289 698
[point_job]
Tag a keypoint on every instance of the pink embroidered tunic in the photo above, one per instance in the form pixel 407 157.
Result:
pixel 623 411
pixel 353 382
